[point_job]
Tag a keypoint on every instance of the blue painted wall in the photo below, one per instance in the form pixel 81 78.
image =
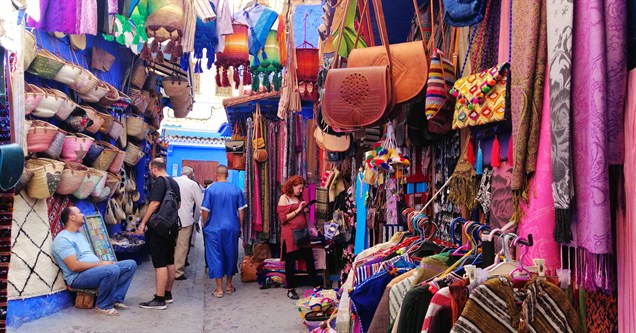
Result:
pixel 26 310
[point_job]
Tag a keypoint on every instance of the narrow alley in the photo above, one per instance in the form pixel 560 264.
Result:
pixel 195 309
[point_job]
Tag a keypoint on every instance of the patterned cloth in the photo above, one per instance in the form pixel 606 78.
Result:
pixel 491 308
pixel 601 312
pixel 528 50
pixel 598 101
pixel 560 15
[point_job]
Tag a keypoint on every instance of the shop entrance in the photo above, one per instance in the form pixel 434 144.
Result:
pixel 202 169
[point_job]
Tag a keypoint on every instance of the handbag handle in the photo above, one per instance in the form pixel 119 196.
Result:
pixel 336 56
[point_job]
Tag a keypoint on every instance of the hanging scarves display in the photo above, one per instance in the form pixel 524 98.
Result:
pixel 528 20
pixel 165 22
pixel 559 19
pixel 260 20
pixel 596 110
pixel 266 71
pixel 235 56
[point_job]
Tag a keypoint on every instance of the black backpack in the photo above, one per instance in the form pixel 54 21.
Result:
pixel 165 221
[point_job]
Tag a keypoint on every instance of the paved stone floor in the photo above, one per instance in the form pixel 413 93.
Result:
pixel 195 309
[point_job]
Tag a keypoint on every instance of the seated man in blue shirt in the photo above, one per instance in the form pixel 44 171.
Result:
pixel 83 269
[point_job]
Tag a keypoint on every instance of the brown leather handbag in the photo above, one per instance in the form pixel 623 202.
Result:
pixel 101 60
pixel 235 151
pixel 358 97
pixel 409 61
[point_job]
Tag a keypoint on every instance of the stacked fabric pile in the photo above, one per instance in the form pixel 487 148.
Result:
pixel 271 274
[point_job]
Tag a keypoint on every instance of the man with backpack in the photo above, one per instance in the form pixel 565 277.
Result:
pixel 162 220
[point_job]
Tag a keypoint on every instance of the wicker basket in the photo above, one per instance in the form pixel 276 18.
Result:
pixel 47 174
pixel 52 100
pixel 40 135
pixel 139 75
pixel 72 178
pixel 102 175
pixel 66 107
pixel 29 48
pixel 32 97
pixel 108 122
pixel 107 156
pixel 110 98
pixel 96 117
pixel 85 82
pixel 112 184
pixel 45 64
pixel 96 94
pixel 181 105
pixel 75 147
pixel 139 100
pixel 176 86
pixel 88 184
pixel 93 154
pixel 136 127
pixel 133 154
pixel 68 74
pixel 118 162
pixel 55 147
pixel 116 130
pixel 24 180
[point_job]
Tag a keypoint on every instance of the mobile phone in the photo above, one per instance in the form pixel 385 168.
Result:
pixel 311 202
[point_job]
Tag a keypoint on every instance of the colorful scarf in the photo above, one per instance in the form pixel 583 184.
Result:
pixel 538 214
pixel 596 59
pixel 529 45
pixel 260 20
pixel 559 20
pixel 501 196
pixel 249 185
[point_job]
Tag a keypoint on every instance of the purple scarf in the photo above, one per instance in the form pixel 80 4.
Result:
pixel 599 73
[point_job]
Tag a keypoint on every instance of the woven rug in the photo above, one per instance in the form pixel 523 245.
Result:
pixel 32 271
pixel 55 205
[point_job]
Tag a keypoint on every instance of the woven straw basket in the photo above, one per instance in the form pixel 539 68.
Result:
pixel 107 156
pixel 72 178
pixel 75 147
pixel 47 174
pixel 40 135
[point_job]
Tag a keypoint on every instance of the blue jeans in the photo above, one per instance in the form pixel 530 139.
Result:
pixel 111 281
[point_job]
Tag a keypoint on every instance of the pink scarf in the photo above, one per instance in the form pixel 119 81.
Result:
pixel 538 217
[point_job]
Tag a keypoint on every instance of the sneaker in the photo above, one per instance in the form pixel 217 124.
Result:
pixel 168 297
pixel 292 294
pixel 154 304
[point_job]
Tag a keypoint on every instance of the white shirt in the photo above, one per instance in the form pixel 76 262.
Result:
pixel 191 198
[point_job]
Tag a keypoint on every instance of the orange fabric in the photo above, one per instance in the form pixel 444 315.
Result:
pixel 282 39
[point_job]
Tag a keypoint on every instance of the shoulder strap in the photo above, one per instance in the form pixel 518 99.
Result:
pixel 168 185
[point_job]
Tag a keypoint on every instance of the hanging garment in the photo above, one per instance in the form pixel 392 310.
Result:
pixel 361 239
pixel 560 15
pixel 529 52
pixel 57 16
pixel 501 196
pixel 626 219
pixel 260 20
pixel 596 120
pixel 492 308
pixel 538 217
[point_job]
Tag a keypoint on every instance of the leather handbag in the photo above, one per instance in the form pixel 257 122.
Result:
pixel 101 60
pixel 358 97
pixel 260 153
pixel 248 269
pixel 235 151
pixel 301 236
pixel 409 61
pixel 11 165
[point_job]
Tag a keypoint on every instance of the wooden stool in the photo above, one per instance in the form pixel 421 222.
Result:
pixel 84 298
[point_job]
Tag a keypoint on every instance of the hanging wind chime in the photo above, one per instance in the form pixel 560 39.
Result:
pixel 234 58
pixel 307 68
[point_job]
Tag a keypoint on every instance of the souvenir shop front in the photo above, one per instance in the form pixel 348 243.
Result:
pixel 466 200
pixel 83 112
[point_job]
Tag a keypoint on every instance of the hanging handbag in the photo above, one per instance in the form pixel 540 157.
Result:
pixel 260 153
pixel 409 61
pixel 441 77
pixel 101 60
pixel 358 97
pixel 109 215
pixel 301 236
pixel 235 151
pixel 482 98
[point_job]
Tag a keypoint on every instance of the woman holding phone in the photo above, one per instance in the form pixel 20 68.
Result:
pixel 294 236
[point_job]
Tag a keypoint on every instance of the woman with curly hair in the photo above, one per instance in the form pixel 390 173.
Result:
pixel 292 211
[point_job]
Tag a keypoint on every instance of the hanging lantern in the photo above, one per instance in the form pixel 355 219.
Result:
pixel 272 49
pixel 165 22
pixel 307 68
pixel 266 76
pixel 235 54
